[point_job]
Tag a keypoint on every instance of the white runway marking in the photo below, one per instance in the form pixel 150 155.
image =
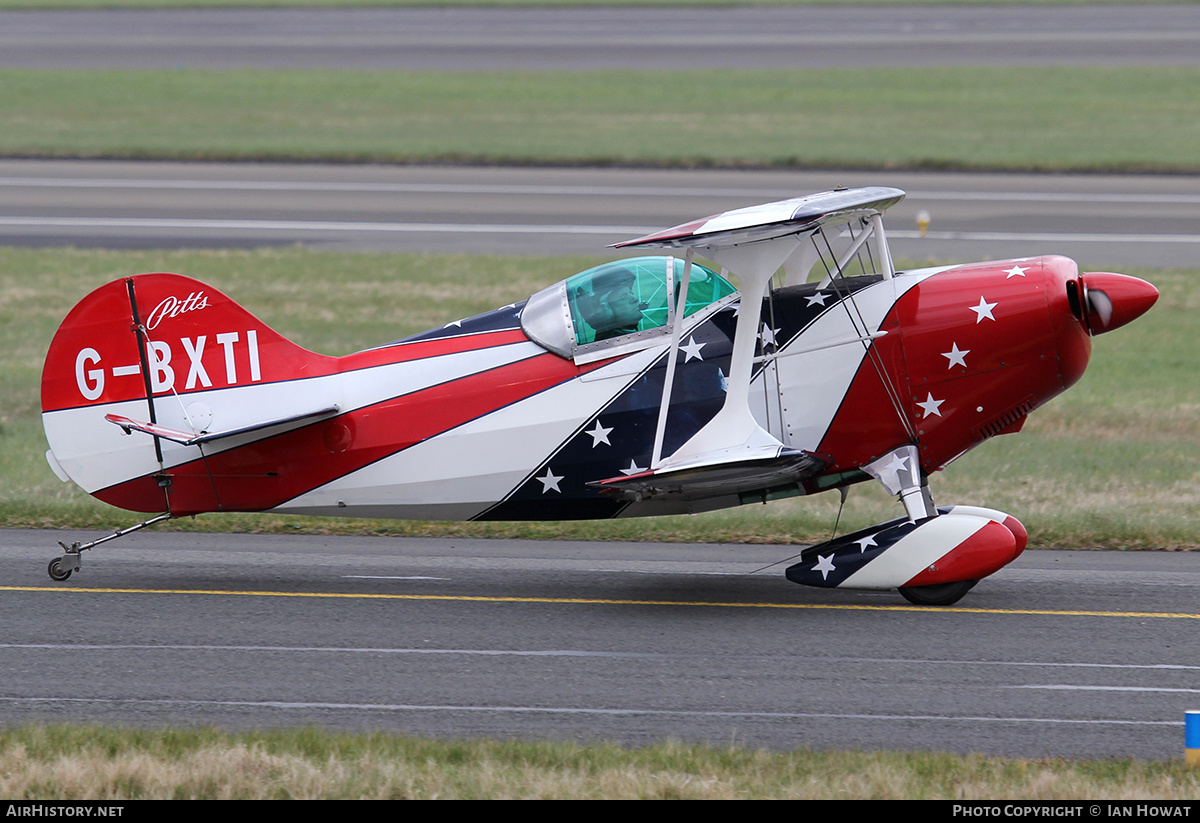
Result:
pixel 149 223
pixel 305 706
pixel 307 226
pixel 583 710
pixel 559 190
pixel 1073 688
pixel 389 577
pixel 375 650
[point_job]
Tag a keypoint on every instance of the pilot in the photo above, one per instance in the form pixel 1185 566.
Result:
pixel 610 307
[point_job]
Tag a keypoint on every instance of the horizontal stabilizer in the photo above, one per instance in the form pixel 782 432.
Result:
pixel 729 474
pixel 190 439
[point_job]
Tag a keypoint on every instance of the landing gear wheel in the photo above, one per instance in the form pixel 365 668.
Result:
pixel 56 570
pixel 940 594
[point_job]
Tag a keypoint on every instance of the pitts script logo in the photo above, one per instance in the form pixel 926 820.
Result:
pixel 173 307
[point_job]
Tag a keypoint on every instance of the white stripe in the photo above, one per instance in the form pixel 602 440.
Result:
pixel 1072 688
pixel 585 191
pixel 815 383
pixel 814 659
pixel 1047 237
pixel 309 225
pixel 459 473
pixel 398 188
pixel 534 229
pixel 584 710
pixel 96 454
pixel 1055 197
pixel 916 551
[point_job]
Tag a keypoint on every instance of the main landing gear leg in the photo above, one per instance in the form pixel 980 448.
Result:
pixel 900 473
pixel 60 568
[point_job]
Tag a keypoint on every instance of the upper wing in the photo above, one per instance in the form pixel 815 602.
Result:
pixel 773 220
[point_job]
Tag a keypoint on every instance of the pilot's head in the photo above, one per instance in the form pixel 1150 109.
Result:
pixel 609 305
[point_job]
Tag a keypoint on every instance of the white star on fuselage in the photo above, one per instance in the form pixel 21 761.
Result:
pixel 1015 271
pixel 599 434
pixel 931 406
pixel 866 543
pixel 984 309
pixel 957 356
pixel 550 481
pixel 692 349
pixel 634 468
pixel 817 299
pixel 767 335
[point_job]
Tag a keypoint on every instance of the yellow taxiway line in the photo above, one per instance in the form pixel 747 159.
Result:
pixel 609 602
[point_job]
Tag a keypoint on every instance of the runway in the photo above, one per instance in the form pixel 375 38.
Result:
pixel 1099 220
pixel 1078 654
pixel 556 39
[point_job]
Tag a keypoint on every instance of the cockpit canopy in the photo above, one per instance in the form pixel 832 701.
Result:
pixel 617 305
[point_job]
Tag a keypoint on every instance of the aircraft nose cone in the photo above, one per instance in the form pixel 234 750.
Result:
pixel 1115 299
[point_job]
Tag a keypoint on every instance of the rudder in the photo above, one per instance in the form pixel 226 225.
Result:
pixel 173 352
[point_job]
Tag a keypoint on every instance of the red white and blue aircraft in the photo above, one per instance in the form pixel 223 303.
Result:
pixel 645 386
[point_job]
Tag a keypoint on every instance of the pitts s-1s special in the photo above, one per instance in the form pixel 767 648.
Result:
pixel 645 386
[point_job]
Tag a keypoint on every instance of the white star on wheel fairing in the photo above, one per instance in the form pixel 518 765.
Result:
pixel 824 565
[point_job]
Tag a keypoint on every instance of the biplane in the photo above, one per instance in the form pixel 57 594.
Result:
pixel 649 385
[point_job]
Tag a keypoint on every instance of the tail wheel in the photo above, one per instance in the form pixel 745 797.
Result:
pixel 57 572
pixel 940 594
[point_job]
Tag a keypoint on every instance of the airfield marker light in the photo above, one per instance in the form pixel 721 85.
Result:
pixel 923 221
pixel 1191 738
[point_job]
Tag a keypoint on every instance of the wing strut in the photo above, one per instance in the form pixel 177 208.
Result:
pixel 673 355
pixel 752 243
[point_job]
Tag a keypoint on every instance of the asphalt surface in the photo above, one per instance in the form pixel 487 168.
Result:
pixel 1103 221
pixel 1088 654
pixel 541 39
pixel 1078 654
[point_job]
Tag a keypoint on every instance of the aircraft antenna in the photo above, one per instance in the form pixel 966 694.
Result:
pixel 843 492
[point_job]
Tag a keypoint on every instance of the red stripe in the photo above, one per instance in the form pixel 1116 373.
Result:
pixel 266 473
pixel 419 349
pixel 988 550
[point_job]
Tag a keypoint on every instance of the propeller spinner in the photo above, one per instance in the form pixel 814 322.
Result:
pixel 1112 300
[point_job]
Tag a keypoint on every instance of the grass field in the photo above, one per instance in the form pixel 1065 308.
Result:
pixel 1061 119
pixel 69 763
pixel 1113 463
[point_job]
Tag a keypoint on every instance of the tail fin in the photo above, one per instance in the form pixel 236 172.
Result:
pixel 164 353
